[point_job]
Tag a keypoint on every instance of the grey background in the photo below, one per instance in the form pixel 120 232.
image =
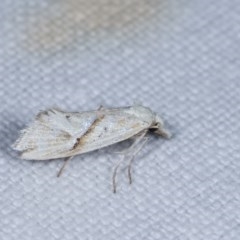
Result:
pixel 181 58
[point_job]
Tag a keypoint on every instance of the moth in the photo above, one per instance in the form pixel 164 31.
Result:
pixel 58 134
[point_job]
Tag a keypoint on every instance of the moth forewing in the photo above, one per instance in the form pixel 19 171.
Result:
pixel 113 127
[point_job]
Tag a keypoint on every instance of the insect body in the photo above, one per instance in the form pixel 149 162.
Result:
pixel 57 134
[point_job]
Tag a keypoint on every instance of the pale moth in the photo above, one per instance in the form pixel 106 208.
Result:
pixel 58 134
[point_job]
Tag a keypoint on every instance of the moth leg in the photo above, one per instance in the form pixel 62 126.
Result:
pixel 133 157
pixel 125 151
pixel 136 146
pixel 135 143
pixel 66 160
pixel 115 174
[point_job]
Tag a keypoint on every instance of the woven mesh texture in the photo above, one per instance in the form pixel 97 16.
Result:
pixel 181 59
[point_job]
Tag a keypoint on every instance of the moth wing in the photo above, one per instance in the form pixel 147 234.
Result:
pixel 53 134
pixel 57 134
pixel 114 125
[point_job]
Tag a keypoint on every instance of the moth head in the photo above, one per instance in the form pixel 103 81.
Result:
pixel 158 128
